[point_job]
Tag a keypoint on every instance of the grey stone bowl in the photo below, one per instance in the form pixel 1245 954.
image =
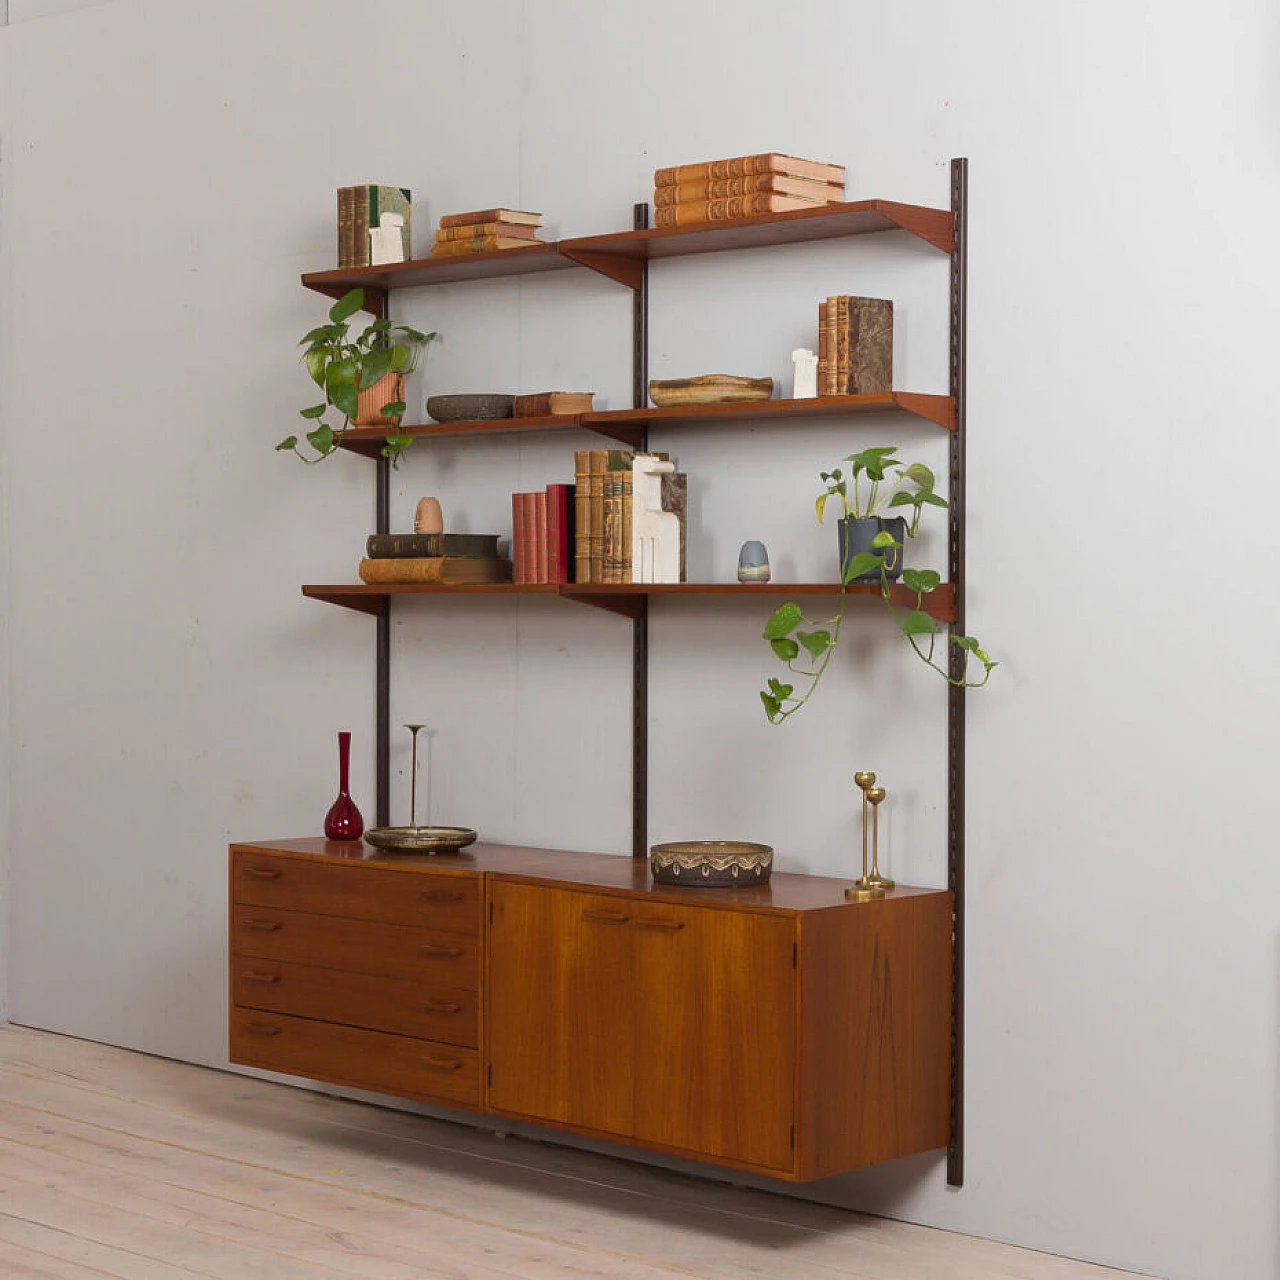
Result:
pixel 469 408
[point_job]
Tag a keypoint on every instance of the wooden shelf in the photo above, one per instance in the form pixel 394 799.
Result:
pixel 628 426
pixel 937 409
pixel 621 255
pixel 628 599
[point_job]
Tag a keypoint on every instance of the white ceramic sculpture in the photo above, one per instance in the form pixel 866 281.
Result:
pixel 386 240
pixel 655 534
pixel 805 383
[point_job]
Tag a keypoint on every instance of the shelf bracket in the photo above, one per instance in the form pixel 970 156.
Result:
pixel 934 226
pixel 628 271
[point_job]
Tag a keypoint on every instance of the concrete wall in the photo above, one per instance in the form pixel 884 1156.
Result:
pixel 167 171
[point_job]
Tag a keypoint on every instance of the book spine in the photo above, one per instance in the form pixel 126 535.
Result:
pixel 346 210
pixel 535 405
pixel 842 345
pixel 517 538
pixel 686 214
pixel 745 166
pixel 529 535
pixel 477 216
pixel 581 516
pixel 379 545
pixel 477 230
pixel 624 574
pixel 540 536
pixel 717 188
pixel 402 569
pixel 830 383
pixel 822 348
pixel 478 244
pixel 598 459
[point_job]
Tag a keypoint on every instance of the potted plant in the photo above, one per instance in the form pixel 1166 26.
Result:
pixel 871 550
pixel 362 376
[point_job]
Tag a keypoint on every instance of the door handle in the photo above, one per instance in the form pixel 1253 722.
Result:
pixel 442 1064
pixel 251 976
pixel 262 926
pixel 441 953
pixel 441 895
pixel 262 1029
pixel 261 873
pixel 667 926
pixel 605 917
pixel 442 1006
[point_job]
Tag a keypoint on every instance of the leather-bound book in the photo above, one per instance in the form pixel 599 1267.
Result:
pixel 744 166
pixel 728 208
pixel 455 570
pixel 478 230
pixel 491 215
pixel 866 339
pixel 717 188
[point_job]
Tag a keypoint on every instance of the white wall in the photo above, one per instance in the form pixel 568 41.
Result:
pixel 169 170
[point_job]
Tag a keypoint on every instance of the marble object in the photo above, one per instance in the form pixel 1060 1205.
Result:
pixel 386 240
pixel 655 533
pixel 753 562
pixel 804 385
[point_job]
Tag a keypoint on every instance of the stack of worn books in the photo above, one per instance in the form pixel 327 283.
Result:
pixel 455 558
pixel 743 186
pixel 483 230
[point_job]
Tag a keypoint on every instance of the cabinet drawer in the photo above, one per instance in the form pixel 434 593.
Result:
pixel 356 946
pixel 372 1060
pixel 404 1006
pixel 436 900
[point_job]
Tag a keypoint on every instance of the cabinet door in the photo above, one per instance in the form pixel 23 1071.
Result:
pixel 715 1006
pixel 560 1006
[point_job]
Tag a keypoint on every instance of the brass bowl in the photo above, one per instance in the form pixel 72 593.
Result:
pixel 420 839
pixel 711 864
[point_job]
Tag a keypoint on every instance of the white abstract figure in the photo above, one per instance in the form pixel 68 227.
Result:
pixel 655 534
pixel 805 382
pixel 386 240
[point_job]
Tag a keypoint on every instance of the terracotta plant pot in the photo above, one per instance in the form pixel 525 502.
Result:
pixel 388 388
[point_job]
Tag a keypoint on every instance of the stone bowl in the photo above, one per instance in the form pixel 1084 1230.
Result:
pixel 711 864
pixel 469 408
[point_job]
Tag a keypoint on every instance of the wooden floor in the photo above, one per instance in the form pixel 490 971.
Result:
pixel 119 1164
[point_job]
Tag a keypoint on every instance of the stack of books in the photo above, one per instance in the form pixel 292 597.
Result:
pixel 542 535
pixel 484 230
pixel 855 345
pixel 456 558
pixel 742 186
pixel 359 209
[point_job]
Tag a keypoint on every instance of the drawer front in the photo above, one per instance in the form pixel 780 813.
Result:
pixel 403 1006
pixel 373 1060
pixel 434 900
pixel 356 946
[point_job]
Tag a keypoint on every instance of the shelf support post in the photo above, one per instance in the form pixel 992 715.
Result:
pixel 955 695
pixel 376 303
pixel 640 626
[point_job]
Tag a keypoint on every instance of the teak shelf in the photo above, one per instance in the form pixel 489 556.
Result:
pixel 357 1036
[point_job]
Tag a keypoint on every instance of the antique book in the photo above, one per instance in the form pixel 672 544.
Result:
pixel 830 313
pixel 538 504
pixel 491 215
pixel 379 545
pixel 519 555
pixel 582 483
pixel 479 244
pixel 729 207
pixel 359 208
pixel 864 339
pixel 595 518
pixel 744 166
pixel 460 570
pixel 714 188
pixel 541 404
pixel 822 348
pixel 447 235
pixel 560 533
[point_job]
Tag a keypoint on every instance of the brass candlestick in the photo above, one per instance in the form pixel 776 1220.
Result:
pixel 874 796
pixel 865 888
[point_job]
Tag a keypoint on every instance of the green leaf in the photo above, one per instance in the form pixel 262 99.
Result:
pixel 346 306
pixel 377 364
pixel 918 623
pixel 772 707
pixel 932 499
pixel 316 411
pixel 920 580
pixel 967 643
pixel 321 336
pixel 815 642
pixel 784 619
pixel 784 649
pixel 289 442
pixel 778 689
pixel 919 474
pixel 321 439
pixel 883 540
pixel 863 562
pixel 393 409
pixel 345 400
pixel 316 360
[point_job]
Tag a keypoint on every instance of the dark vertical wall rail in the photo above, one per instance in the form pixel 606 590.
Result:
pixel 377 304
pixel 955 696
pixel 640 628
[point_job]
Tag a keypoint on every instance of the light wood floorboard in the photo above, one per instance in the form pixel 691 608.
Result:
pixel 119 1164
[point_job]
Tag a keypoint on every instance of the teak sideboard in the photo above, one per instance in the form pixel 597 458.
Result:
pixel 780 1029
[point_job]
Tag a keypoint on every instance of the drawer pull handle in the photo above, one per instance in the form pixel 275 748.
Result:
pixel 442 1006
pixel 442 953
pixel 605 917
pixel 262 1029
pixel 670 926
pixel 441 895
pixel 442 1064
pixel 250 975
pixel 262 926
pixel 261 873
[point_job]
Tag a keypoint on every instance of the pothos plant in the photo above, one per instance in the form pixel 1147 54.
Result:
pixel 876 482
pixel 343 364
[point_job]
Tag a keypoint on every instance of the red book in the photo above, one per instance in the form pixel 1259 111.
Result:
pixel 543 571
pixel 517 537
pixel 560 532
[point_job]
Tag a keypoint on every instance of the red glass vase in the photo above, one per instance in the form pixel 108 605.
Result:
pixel 343 821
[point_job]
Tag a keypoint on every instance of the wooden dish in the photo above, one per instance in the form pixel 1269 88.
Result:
pixel 710 388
